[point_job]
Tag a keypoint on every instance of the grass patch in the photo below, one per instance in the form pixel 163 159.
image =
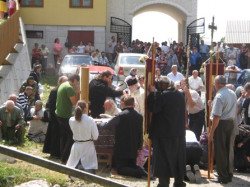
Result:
pixel 48 82
pixel 2 21
pixel 21 171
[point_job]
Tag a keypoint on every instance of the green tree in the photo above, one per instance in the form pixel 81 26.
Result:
pixel 222 40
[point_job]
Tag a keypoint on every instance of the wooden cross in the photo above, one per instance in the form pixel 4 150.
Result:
pixel 213 28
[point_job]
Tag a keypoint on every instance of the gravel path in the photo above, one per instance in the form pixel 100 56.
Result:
pixel 239 179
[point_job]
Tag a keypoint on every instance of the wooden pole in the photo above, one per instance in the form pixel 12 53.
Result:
pixel 217 62
pixel 84 84
pixel 210 144
pixel 188 60
pixel 210 89
pixel 59 167
pixel 152 82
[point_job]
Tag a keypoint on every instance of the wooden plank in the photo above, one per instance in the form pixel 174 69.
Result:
pixel 9 35
pixel 59 167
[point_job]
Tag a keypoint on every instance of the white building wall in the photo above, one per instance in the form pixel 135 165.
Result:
pixel 126 10
pixel 61 32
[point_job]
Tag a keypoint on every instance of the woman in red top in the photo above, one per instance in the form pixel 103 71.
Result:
pixel 36 55
pixel 57 47
pixel 12 7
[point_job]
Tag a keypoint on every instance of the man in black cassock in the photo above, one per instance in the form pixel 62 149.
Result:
pixel 99 90
pixel 167 132
pixel 128 138
pixel 52 139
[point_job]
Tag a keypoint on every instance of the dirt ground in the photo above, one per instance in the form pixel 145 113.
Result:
pixel 239 179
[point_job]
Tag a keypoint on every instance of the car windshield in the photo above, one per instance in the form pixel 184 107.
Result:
pixel 76 60
pixel 131 60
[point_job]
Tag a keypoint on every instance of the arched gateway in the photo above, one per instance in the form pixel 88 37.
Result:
pixel 183 11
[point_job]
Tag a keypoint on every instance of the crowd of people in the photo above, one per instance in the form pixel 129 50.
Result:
pixel 7 8
pixel 178 117
pixel 26 107
pixel 235 59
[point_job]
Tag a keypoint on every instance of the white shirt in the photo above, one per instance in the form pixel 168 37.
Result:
pixel 94 59
pixel 219 49
pixel 84 130
pixel 198 103
pixel 231 52
pixel 138 95
pixel 113 111
pixel 195 83
pixel 165 49
pixel 84 151
pixel 37 126
pixel 190 136
pixel 176 77
pixel 45 52
pixel 111 48
pixel 81 49
pixel 231 62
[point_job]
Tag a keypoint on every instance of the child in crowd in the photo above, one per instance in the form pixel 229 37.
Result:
pixel 231 61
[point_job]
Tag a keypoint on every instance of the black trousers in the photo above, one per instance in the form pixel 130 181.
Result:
pixel 52 140
pixel 66 138
pixel 55 60
pixel 164 182
pixel 128 167
pixel 193 153
pixel 223 149
pixel 196 122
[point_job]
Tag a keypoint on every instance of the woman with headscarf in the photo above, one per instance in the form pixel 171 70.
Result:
pixel 34 96
pixel 36 74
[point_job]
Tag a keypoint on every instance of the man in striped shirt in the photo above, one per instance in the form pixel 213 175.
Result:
pixel 22 100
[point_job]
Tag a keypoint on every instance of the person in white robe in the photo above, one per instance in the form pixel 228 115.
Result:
pixel 137 92
pixel 84 133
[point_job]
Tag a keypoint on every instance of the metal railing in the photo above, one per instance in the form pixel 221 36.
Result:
pixel 9 35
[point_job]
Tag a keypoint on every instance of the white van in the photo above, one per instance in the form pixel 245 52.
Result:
pixel 126 61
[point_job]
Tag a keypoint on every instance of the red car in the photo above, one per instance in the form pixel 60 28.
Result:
pixel 95 70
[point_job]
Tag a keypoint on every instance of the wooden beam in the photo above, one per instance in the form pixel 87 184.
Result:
pixel 5 62
pixel 59 167
pixel 20 41
pixel 84 84
pixel 13 50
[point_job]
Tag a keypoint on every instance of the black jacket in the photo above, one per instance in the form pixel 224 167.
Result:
pixel 128 133
pixel 168 118
pixel 51 102
pixel 98 92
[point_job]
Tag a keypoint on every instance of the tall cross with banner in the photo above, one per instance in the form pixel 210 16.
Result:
pixel 212 27
pixel 209 85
